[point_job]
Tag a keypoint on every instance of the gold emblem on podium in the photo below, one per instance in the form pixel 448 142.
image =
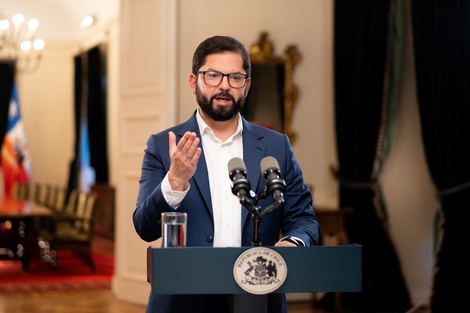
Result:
pixel 260 270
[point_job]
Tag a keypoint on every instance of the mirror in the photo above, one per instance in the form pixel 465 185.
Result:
pixel 272 95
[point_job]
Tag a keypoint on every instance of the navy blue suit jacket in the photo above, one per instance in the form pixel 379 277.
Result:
pixel 295 218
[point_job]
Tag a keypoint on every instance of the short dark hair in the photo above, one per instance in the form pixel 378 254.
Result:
pixel 219 44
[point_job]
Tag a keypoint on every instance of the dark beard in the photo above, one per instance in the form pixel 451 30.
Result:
pixel 219 114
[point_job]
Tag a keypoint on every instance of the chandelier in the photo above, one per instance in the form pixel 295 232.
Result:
pixel 20 45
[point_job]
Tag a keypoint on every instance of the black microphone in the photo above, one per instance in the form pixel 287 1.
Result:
pixel 237 172
pixel 275 185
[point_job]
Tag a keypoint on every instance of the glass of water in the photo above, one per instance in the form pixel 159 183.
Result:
pixel 174 229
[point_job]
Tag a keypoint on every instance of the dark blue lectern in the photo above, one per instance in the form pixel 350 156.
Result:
pixel 195 270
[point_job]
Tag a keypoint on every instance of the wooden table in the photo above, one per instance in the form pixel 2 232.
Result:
pixel 19 223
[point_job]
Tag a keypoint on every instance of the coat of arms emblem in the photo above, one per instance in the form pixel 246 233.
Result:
pixel 260 270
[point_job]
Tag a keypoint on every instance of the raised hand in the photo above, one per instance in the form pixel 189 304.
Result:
pixel 184 157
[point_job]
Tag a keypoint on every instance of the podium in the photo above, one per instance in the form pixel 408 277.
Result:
pixel 201 270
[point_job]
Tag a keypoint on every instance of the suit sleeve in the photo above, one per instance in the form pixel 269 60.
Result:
pixel 150 199
pixel 299 219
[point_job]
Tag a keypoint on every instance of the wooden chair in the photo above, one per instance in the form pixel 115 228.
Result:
pixel 77 236
pixel 64 212
pixel 21 191
pixel 42 193
pixel 50 196
pixel 332 226
pixel 68 210
pixel 36 193
pixel 60 200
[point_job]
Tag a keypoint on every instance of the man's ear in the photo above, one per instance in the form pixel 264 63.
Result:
pixel 247 86
pixel 192 82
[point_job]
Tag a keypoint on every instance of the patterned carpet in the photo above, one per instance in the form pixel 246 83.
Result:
pixel 70 274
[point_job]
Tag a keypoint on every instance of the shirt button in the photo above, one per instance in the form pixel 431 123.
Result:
pixel 210 238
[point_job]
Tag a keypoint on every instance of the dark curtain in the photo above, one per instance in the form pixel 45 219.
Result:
pixel 366 58
pixel 441 40
pixel 74 167
pixel 90 104
pixel 7 74
pixel 97 115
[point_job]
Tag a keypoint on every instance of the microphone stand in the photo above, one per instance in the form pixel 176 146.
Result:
pixel 257 214
pixel 249 302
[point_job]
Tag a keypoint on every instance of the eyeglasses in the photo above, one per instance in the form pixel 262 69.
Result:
pixel 214 78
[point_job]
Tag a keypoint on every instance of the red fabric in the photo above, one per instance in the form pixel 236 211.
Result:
pixel 71 273
pixel 12 168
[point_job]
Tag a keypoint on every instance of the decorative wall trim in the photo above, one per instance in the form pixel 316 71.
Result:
pixel 135 130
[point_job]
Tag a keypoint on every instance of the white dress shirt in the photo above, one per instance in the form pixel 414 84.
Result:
pixel 226 206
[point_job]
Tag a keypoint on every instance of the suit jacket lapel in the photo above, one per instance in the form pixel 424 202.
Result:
pixel 253 152
pixel 200 178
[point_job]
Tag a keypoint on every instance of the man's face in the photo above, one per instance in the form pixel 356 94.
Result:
pixel 222 102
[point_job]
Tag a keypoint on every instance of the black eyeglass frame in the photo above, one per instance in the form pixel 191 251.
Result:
pixel 223 75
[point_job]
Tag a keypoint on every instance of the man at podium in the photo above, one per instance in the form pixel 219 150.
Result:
pixel 184 169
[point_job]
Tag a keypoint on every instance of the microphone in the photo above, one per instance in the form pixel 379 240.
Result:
pixel 237 172
pixel 275 185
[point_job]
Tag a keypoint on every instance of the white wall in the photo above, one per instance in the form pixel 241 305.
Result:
pixel 47 101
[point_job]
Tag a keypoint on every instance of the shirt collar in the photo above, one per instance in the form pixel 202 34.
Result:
pixel 204 128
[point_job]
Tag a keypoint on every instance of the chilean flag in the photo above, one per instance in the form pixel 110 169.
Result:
pixel 15 153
